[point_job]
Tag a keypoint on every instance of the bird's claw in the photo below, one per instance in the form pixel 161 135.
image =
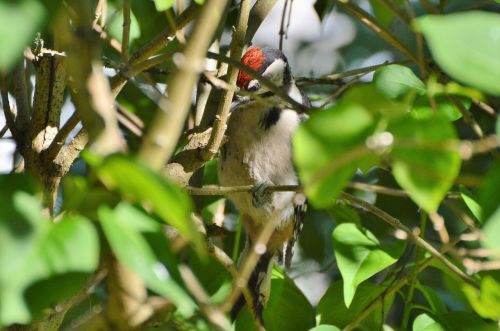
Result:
pixel 260 195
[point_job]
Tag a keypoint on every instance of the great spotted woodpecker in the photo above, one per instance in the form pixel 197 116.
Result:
pixel 258 152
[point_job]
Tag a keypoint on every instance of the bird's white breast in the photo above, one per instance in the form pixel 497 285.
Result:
pixel 254 155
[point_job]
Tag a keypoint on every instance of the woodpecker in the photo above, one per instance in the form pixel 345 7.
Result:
pixel 258 152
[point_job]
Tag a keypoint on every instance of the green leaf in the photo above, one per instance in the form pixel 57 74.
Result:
pixel 491 233
pixel 42 250
pixel 146 186
pixel 359 256
pixel 325 328
pixel 294 313
pixel 421 109
pixel 383 14
pixel 489 199
pixel 434 301
pixel 287 309
pixel 21 20
pixel 331 308
pixel 466 46
pixel 497 128
pixel 343 214
pixel 396 81
pixel 162 5
pixel 471 202
pixel 465 321
pixel 485 302
pixel 424 322
pixel 425 160
pixel 122 227
pixel 329 147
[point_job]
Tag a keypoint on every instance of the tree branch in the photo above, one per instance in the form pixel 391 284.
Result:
pixel 236 49
pixel 151 49
pixel 358 202
pixel 161 139
pixel 394 222
pixel 393 289
pixel 126 30
pixel 381 31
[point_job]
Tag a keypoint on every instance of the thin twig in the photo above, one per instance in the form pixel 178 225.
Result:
pixel 341 90
pixel 420 42
pixel 336 79
pixel 467 115
pixel 9 114
pixel 414 274
pixel 259 247
pixel 152 48
pixel 381 31
pixel 281 33
pixel 214 315
pixel 126 30
pixel 395 288
pixel 417 240
pixel 361 203
pixel 4 130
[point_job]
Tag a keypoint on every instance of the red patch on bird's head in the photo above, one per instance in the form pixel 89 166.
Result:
pixel 253 58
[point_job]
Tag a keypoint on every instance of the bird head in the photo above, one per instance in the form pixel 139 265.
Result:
pixel 270 63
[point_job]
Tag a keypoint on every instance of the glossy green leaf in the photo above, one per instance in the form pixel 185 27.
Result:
pixel 425 160
pixel 471 202
pixel 486 302
pixel 383 14
pixel 359 256
pixel 491 233
pixel 21 20
pixel 466 45
pixel 424 322
pixel 465 321
pixel 33 249
pixel 422 109
pixel 287 308
pixel 122 227
pixel 162 5
pixel 142 184
pixel 324 327
pixel 329 147
pixel 331 308
pixel 343 214
pixel 396 81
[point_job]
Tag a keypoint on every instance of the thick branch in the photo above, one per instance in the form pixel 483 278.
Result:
pixel 162 137
pixel 237 44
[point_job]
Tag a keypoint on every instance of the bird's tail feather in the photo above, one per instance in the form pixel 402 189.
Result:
pixel 258 284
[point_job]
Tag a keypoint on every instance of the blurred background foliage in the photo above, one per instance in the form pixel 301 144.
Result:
pixel 405 129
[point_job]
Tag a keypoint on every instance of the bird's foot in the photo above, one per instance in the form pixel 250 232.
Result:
pixel 260 195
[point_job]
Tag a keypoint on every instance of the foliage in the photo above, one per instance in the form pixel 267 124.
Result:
pixel 409 153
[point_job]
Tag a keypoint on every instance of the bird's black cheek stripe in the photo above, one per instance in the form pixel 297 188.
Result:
pixel 270 118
